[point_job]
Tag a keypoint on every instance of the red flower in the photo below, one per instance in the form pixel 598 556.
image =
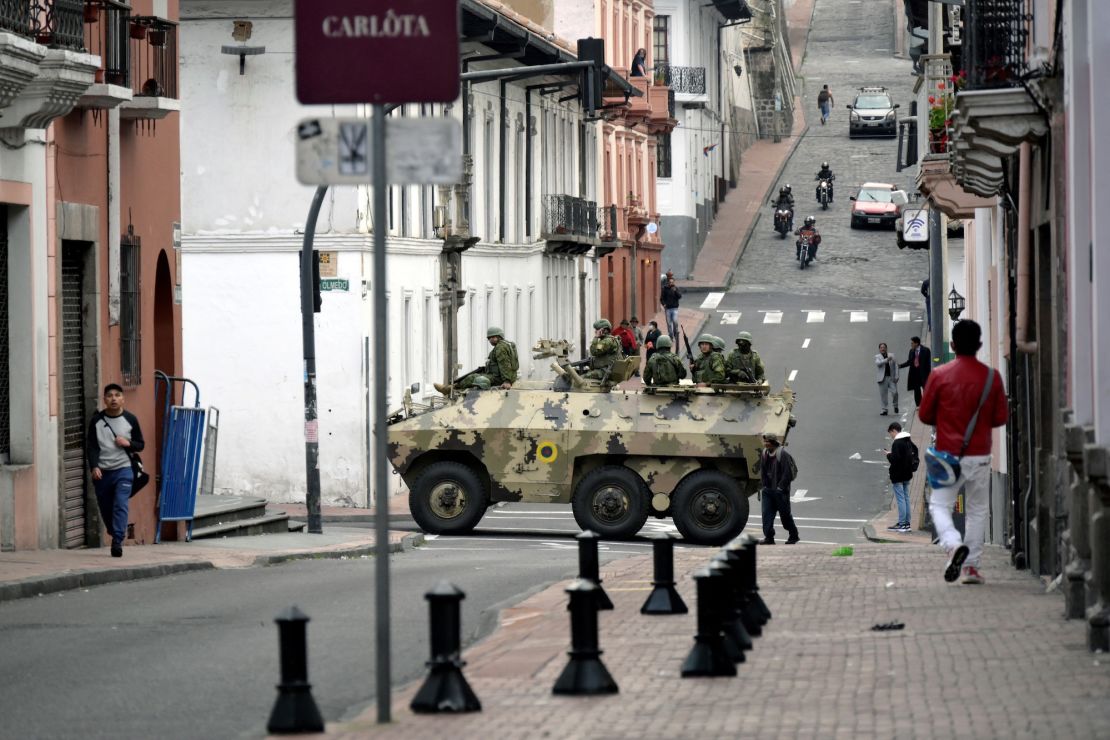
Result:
pixel 940 85
pixel 932 99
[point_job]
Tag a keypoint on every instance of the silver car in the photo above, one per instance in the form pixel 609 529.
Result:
pixel 873 114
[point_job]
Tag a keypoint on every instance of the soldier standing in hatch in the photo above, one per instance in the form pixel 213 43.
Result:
pixel 663 367
pixel 710 366
pixel 499 371
pixel 743 364
pixel 605 349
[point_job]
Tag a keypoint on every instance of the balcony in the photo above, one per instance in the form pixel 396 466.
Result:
pixel 107 35
pixel 153 69
pixel 688 83
pixel 937 181
pixel 570 224
pixel 995 112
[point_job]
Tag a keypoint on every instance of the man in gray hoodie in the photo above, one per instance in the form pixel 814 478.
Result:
pixel 113 435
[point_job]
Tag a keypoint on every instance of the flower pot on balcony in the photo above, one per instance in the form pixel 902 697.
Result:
pixel 157 37
pixel 938 141
pixel 138 31
pixel 91 12
pixel 98 76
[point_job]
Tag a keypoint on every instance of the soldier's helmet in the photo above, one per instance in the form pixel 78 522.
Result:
pixel 603 324
pixel 495 331
pixel 705 339
pixel 744 336
pixel 482 382
pixel 663 342
pixel 718 343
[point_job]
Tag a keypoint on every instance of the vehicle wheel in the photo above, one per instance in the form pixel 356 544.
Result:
pixel 612 501
pixel 448 498
pixel 709 508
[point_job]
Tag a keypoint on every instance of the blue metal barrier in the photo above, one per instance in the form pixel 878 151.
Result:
pixel 183 429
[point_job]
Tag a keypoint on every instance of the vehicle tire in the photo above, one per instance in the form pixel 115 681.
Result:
pixel 612 501
pixel 709 508
pixel 448 498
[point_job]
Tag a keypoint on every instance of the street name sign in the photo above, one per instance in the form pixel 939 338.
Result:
pixel 376 51
pixel 422 151
pixel 335 285
pixel 915 225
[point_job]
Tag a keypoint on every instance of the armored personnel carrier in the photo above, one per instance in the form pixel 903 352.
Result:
pixel 615 456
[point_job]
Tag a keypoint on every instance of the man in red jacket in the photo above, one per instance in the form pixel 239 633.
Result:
pixel 952 393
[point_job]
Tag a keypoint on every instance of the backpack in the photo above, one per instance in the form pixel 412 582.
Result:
pixel 512 354
pixel 915 459
pixel 822 97
pixel 793 467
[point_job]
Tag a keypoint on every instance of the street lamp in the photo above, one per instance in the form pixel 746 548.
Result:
pixel 955 304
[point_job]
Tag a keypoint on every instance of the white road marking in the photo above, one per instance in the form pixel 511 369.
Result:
pixel 430 537
pixel 857 317
pixel 772 317
pixel 858 456
pixel 794 374
pixel 908 288
pixel 731 317
pixel 847 529
pixel 901 316
pixel 712 300
pixel 815 317
pixel 800 495
pixel 805 344
pixel 826 519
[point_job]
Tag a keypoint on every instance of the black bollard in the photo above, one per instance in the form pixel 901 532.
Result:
pixel 585 674
pixel 664 597
pixel 295 710
pixel 753 593
pixel 720 577
pixel 748 625
pixel 731 624
pixel 589 566
pixel 750 612
pixel 445 689
pixel 708 656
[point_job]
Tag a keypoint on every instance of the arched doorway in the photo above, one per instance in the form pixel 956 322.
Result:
pixel 165 352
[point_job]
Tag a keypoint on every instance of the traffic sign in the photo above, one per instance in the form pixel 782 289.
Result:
pixel 915 225
pixel 422 151
pixel 377 51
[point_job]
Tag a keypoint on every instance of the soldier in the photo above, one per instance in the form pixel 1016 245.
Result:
pixel 499 371
pixel 710 366
pixel 605 349
pixel 744 365
pixel 663 367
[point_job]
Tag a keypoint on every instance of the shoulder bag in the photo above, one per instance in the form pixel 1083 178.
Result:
pixel 138 472
pixel 942 469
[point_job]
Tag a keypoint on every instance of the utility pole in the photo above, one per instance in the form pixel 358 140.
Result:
pixel 938 277
pixel 308 337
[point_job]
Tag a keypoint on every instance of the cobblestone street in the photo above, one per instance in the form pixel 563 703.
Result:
pixel 850 46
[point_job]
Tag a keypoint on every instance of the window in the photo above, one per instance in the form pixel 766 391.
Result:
pixel 129 310
pixel 661 39
pixel 663 155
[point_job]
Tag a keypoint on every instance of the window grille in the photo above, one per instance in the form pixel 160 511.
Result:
pixel 662 155
pixel 130 314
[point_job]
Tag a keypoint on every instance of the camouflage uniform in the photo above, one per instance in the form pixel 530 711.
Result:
pixel 710 367
pixel 664 368
pixel 739 363
pixel 501 365
pixel 604 351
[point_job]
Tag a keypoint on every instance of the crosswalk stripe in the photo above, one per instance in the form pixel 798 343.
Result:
pixel 772 317
pixel 900 316
pixel 857 317
pixel 815 317
pixel 730 317
pixel 794 374
pixel 712 300
pixel 805 344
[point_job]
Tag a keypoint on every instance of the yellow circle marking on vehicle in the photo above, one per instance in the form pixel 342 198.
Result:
pixel 548 452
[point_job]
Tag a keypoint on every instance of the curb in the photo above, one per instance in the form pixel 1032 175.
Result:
pixel 872 536
pixel 86 578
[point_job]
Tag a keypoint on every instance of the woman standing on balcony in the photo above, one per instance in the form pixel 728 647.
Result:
pixel 639 68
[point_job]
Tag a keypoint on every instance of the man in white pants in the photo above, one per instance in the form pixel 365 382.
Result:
pixel 952 396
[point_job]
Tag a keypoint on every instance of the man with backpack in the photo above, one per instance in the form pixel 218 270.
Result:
pixel 825 103
pixel 663 367
pixel 500 369
pixel 904 460
pixel 776 470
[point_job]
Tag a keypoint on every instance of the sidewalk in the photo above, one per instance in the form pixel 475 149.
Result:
pixel 34 572
pixel 817 671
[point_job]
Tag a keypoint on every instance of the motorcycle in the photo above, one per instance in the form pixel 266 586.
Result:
pixel 784 221
pixel 824 194
pixel 803 250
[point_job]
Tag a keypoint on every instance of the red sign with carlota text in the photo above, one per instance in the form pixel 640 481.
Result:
pixel 377 51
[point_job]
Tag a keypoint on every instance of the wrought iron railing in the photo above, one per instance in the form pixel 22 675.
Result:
pixel 995 41
pixel 670 102
pixel 49 22
pixel 153 57
pixel 107 24
pixel 610 222
pixel 569 215
pixel 15 16
pixel 681 79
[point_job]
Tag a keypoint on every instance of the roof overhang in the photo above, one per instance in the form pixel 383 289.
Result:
pixel 733 10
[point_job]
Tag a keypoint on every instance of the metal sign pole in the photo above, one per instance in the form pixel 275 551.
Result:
pixel 308 336
pixel 381 493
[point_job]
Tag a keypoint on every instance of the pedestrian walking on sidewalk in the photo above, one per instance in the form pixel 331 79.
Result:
pixel 825 103
pixel 886 375
pixel 919 364
pixel 904 460
pixel 964 400
pixel 776 471
pixel 112 436
pixel 670 297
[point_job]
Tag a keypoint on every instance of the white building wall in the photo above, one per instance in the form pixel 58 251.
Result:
pixel 243 214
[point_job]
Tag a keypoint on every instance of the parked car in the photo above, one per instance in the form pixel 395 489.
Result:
pixel 873 113
pixel 877 204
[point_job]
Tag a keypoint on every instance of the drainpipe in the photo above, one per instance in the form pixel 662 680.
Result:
pixel 1024 255
pixel 113 209
pixel 503 150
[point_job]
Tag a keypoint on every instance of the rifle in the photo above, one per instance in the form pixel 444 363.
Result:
pixel 686 341
pixel 479 369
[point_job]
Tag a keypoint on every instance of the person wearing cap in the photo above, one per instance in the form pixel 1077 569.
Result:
pixel 669 298
pixel 743 364
pixel 663 367
pixel 709 368
pixel 605 349
pixel 777 470
pixel 499 371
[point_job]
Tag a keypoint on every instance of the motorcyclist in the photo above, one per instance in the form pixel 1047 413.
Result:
pixel 785 200
pixel 825 173
pixel 809 228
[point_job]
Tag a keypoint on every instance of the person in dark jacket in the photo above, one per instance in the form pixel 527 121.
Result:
pixel 919 364
pixel 776 471
pixel 902 457
pixel 651 339
pixel 670 297
pixel 112 436
pixel 639 64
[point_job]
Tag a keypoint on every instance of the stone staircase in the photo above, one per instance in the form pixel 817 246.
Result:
pixel 238 516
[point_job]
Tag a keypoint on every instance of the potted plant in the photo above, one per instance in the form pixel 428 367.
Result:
pixel 91 11
pixel 137 31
